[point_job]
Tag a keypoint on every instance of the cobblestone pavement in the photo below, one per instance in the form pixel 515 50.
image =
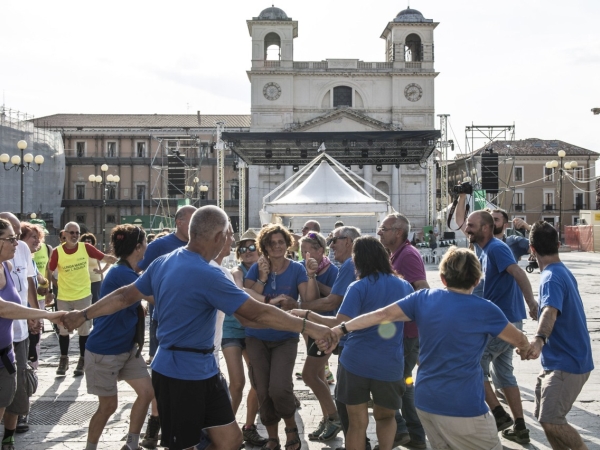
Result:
pixel 61 408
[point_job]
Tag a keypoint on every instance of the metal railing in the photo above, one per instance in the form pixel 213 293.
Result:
pixel 549 206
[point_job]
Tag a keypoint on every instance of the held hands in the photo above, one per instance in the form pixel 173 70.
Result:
pixel 56 317
pixel 285 301
pixel 533 310
pixel 324 337
pixel 298 313
pixel 72 320
pixel 311 265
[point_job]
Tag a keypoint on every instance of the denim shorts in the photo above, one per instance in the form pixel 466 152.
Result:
pixel 499 354
pixel 233 342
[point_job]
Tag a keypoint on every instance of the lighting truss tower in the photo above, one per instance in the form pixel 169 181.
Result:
pixel 444 144
pixel 242 195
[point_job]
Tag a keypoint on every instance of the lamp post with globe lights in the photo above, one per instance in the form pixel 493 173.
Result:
pixel 22 163
pixel 554 165
pixel 103 180
pixel 191 190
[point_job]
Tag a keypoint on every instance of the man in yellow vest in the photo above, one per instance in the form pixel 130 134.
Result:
pixel 75 292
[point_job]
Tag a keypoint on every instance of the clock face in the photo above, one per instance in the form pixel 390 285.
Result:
pixel 413 92
pixel 271 91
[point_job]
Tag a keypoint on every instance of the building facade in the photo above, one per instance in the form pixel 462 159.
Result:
pixel 344 95
pixel 526 187
pixel 138 149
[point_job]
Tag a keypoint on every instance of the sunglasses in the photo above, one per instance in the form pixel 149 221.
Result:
pixel 77 233
pixel 250 248
pixel 335 239
pixel 11 239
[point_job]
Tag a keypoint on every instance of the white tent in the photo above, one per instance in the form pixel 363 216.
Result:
pixel 324 193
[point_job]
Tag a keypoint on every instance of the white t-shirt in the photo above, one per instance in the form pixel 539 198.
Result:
pixel 22 269
pixel 220 315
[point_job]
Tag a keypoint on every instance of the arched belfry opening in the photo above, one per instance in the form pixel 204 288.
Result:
pixel 413 50
pixel 272 47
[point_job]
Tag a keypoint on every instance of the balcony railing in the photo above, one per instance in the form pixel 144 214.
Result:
pixel 549 206
pixel 577 206
pixel 519 206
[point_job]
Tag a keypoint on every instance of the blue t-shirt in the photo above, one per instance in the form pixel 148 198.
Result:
pixel 519 246
pixel 232 328
pixel 500 287
pixel 366 353
pixel 159 247
pixel 346 276
pixel 283 283
pixel 114 334
pixel 453 332
pixel 328 279
pixel 569 348
pixel 187 292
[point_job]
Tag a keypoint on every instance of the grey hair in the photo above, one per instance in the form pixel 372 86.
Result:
pixel 402 223
pixel 184 211
pixel 348 231
pixel 71 223
pixel 207 221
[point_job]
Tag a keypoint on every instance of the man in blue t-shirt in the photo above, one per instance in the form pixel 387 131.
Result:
pixel 504 284
pixel 519 246
pixel 562 338
pixel 187 292
pixel 156 248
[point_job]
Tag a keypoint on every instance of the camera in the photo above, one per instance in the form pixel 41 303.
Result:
pixel 464 188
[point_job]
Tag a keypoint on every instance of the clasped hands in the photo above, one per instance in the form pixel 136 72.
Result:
pixel 326 338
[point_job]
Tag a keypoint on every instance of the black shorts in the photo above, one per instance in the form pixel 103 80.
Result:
pixel 313 350
pixel 186 407
pixel 353 389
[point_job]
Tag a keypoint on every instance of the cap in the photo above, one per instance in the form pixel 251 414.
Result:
pixel 249 235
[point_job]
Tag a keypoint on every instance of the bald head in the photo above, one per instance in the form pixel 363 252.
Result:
pixel 15 223
pixel 206 222
pixel 182 221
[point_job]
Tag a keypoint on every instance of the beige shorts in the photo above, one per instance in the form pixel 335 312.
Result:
pixel 8 387
pixel 75 305
pixel 460 433
pixel 102 372
pixel 555 393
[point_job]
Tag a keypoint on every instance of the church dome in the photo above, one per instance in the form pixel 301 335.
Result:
pixel 273 13
pixel 411 15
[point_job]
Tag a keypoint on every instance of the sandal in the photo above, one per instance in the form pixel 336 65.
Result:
pixel 293 442
pixel 266 447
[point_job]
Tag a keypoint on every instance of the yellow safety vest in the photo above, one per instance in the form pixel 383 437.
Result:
pixel 41 258
pixel 73 275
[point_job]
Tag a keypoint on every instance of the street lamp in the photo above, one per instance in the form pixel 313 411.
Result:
pixel 203 191
pixel 22 163
pixel 553 165
pixel 104 181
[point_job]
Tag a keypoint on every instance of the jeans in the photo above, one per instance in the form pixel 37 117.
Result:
pixel 408 421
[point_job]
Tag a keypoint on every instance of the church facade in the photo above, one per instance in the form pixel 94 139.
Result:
pixel 345 95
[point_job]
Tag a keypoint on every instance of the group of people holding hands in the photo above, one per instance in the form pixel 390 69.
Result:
pixel 357 311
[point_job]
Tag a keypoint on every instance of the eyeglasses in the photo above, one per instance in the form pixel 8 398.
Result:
pixel 250 248
pixel 335 239
pixel 11 239
pixel 273 283
pixel 384 229
pixel 76 233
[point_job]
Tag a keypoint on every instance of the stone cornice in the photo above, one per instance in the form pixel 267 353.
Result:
pixel 342 74
pixel 345 112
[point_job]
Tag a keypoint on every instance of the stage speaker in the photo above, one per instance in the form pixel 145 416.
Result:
pixel 449 235
pixel 176 175
pixel 489 172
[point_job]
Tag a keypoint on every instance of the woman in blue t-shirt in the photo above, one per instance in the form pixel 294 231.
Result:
pixel 454 328
pixel 272 353
pixel 233 344
pixel 372 360
pixel 112 352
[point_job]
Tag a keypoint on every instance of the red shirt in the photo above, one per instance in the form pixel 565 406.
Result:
pixel 407 261
pixel 92 252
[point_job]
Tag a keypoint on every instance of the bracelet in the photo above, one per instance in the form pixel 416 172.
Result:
pixel 306 315
pixel 312 277
pixel 85 314
pixel 343 327
pixel 303 325
pixel 264 283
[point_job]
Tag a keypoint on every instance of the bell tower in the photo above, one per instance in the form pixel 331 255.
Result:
pixel 272 33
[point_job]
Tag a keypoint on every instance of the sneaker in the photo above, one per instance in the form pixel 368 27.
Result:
pixel 63 365
pixel 329 375
pixel 332 428
pixel 150 439
pixel 520 436
pixel 502 423
pixel 22 425
pixel 10 445
pixel 252 437
pixel 79 369
pixel 314 436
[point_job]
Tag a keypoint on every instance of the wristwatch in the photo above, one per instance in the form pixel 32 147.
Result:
pixel 343 327
pixel 543 337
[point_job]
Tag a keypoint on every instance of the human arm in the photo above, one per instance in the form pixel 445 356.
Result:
pixel 100 270
pixel 328 321
pixel 420 284
pixel 545 327
pixel 516 338
pixel 525 286
pixel 329 303
pixel 109 304
pixel 460 214
pixel 9 310
pixel 258 275
pixel 391 313
pixel 93 252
